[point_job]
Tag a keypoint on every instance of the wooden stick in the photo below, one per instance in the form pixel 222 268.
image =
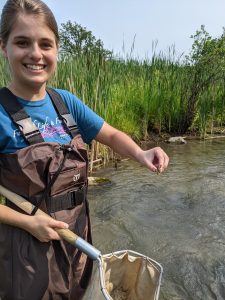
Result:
pixel 28 207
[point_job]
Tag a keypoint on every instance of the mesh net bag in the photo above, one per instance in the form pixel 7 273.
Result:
pixel 125 275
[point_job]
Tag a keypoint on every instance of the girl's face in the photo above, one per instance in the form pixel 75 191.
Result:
pixel 31 51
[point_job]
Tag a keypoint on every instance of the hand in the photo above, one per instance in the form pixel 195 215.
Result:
pixel 154 159
pixel 43 228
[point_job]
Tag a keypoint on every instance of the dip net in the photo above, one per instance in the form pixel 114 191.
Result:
pixel 125 275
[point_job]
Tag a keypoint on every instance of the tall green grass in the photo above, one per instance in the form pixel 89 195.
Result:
pixel 139 96
pixel 4 72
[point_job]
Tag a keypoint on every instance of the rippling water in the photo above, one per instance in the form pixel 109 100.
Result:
pixel 176 218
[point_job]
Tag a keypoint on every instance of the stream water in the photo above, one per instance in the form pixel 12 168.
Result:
pixel 177 218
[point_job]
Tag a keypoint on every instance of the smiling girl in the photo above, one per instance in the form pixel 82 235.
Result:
pixel 42 158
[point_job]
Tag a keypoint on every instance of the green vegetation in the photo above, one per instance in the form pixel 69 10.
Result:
pixel 77 40
pixel 2 199
pixel 162 94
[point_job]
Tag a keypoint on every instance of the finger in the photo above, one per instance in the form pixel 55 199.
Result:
pixel 156 159
pixel 151 167
pixel 163 162
pixel 166 162
pixel 53 234
pixel 161 159
pixel 58 224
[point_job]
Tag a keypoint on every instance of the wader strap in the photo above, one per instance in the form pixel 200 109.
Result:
pixel 66 117
pixel 19 116
pixel 66 201
pixel 84 281
pixel 24 123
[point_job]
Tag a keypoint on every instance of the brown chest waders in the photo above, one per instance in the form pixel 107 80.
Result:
pixel 53 177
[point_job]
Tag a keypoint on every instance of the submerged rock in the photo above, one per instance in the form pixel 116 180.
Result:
pixel 98 180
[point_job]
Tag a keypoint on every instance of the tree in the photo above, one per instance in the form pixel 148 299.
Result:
pixel 205 66
pixel 76 40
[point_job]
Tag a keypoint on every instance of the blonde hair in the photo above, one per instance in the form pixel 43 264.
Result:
pixel 13 8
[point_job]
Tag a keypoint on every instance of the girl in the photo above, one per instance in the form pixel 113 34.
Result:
pixel 42 158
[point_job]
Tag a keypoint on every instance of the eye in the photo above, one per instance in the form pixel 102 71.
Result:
pixel 22 43
pixel 46 45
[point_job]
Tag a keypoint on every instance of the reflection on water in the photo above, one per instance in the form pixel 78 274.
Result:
pixel 176 218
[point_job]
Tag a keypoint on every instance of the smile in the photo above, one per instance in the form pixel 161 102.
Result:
pixel 34 67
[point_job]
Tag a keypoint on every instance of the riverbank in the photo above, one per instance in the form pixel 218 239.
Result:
pixel 100 155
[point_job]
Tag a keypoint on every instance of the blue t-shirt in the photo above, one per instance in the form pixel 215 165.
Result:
pixel 46 119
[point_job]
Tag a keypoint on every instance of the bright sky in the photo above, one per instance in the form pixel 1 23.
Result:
pixel 117 22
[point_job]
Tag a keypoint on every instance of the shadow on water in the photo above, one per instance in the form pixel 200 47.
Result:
pixel 176 218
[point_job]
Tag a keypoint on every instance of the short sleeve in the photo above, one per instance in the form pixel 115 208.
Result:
pixel 88 122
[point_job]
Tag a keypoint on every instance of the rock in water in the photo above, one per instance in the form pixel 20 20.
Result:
pixel 176 140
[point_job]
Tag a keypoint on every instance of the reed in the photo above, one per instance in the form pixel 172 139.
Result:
pixel 138 96
pixel 4 72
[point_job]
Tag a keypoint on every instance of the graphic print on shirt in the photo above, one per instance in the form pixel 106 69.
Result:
pixel 49 129
pixel 45 117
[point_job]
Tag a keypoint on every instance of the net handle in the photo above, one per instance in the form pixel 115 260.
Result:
pixel 65 234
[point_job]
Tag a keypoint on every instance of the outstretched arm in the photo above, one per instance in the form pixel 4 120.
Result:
pixel 154 159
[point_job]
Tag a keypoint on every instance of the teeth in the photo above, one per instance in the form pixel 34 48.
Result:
pixel 34 67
